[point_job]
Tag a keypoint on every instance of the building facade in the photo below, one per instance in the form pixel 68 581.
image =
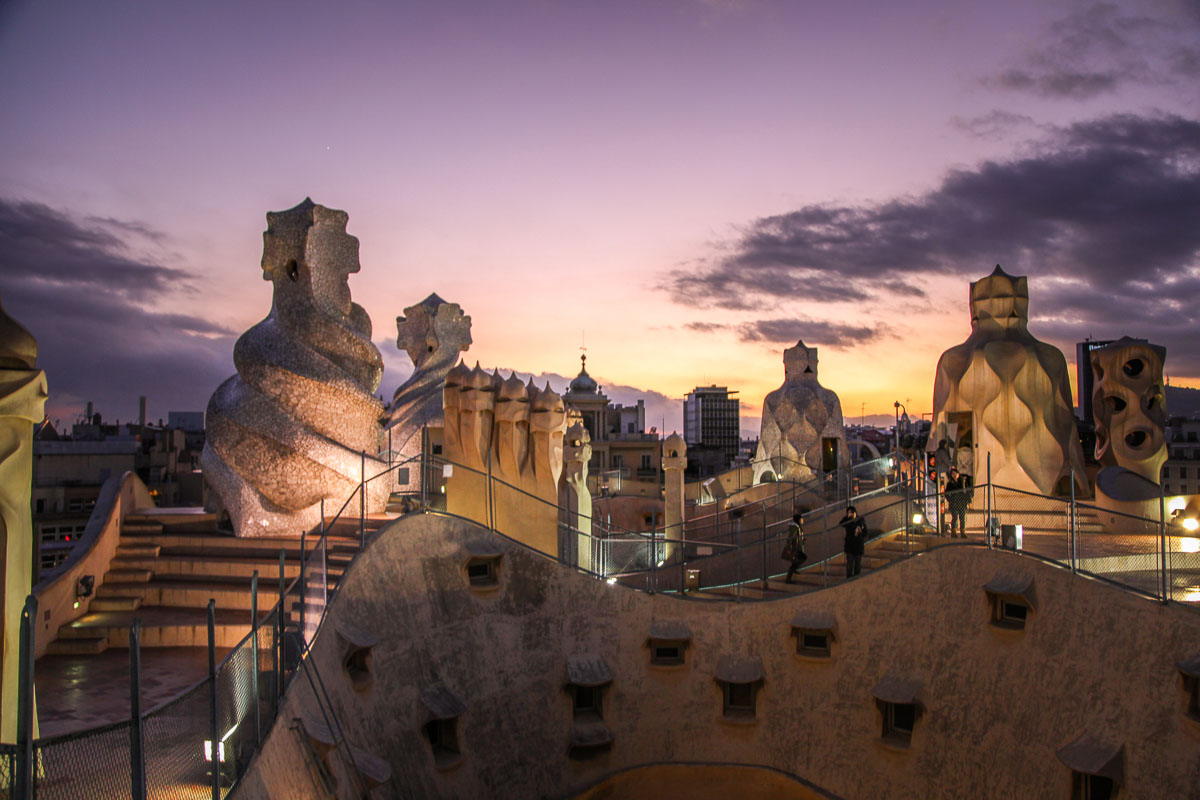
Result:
pixel 622 450
pixel 69 471
pixel 1181 472
pixel 711 422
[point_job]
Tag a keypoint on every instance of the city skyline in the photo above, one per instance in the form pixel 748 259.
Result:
pixel 688 188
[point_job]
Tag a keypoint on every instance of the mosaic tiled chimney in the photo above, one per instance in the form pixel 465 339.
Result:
pixel 289 429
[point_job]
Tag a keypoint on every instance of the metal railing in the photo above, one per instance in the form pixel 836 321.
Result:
pixel 199 743
pixel 168 751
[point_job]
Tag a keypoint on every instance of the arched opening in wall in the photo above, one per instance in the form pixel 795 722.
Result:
pixel 899 708
pixel 815 634
pixel 481 567
pixel 668 642
pixel 317 741
pixel 740 680
pixel 667 652
pixel 1092 787
pixel 357 664
pixel 442 735
pixel 829 454
pixel 441 726
pixel 356 646
pixel 1012 600
pixel 587 680
pixel 1097 767
pixel 1189 673
pixel 739 699
pixel 898 721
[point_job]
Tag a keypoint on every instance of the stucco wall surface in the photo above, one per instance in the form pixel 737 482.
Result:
pixel 996 704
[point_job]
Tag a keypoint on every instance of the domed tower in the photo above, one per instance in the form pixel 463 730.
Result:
pixel 584 396
pixel 1005 393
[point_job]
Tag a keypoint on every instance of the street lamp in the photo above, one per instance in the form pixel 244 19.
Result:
pixel 896 433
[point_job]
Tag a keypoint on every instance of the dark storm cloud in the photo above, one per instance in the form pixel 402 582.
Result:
pixel 1061 83
pixel 789 331
pixel 1101 48
pixel 706 327
pixel 43 244
pixel 80 288
pixel 993 126
pixel 1167 313
pixel 1095 201
pixel 1104 216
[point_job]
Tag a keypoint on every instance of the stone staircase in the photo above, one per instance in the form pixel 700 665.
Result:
pixel 879 553
pixel 164 573
pixel 1051 520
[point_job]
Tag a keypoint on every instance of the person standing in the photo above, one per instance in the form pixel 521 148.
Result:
pixel 794 548
pixel 941 467
pixel 957 498
pixel 941 460
pixel 855 542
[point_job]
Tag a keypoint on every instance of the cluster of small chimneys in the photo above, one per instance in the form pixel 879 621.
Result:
pixel 502 390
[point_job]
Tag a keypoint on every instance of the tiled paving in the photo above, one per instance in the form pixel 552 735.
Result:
pixel 76 693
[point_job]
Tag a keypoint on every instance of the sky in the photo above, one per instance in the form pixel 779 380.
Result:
pixel 683 187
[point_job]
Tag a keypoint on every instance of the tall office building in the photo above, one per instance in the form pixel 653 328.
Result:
pixel 1084 379
pixel 711 420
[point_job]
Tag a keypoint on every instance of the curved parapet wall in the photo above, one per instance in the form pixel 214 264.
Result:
pixel 290 428
pixel 495 661
pixel 119 496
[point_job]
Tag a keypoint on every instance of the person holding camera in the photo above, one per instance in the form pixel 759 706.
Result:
pixel 855 542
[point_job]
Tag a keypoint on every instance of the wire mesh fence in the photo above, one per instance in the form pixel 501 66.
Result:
pixel 177 758
pixel 736 544
pixel 84 766
pixel 176 737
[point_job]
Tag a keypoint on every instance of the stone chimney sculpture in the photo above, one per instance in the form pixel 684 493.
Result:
pixel 674 462
pixel 576 497
pixel 22 405
pixel 1011 394
pixel 504 440
pixel 1130 411
pixel 434 333
pixel 291 428
pixel 801 421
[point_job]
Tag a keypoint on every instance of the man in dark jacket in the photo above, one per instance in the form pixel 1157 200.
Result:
pixel 795 545
pixel 957 498
pixel 855 542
